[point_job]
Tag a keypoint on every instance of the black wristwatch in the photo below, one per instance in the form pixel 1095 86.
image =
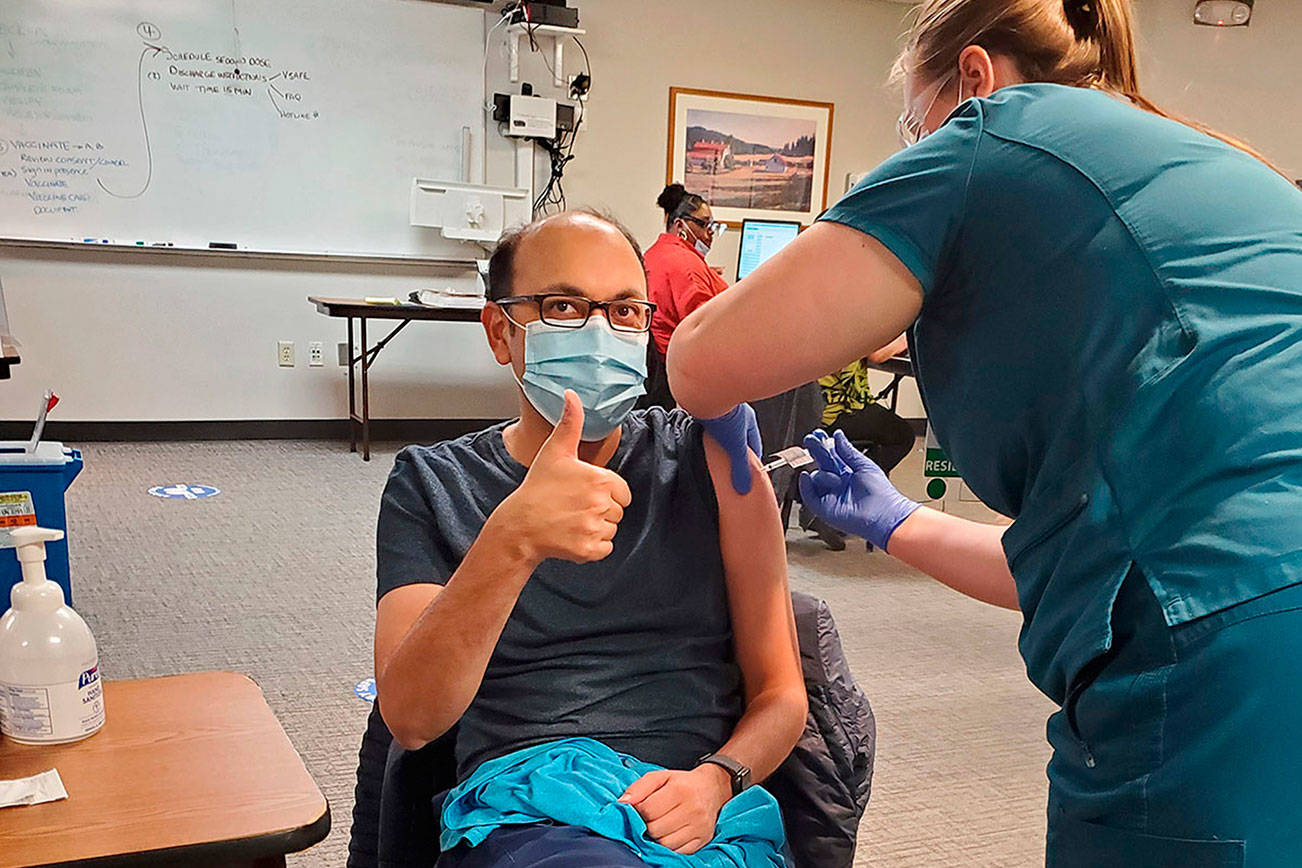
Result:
pixel 739 773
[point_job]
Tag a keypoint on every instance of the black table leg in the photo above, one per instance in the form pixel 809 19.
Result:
pixel 366 357
pixel 352 391
pixel 366 396
pixel 894 390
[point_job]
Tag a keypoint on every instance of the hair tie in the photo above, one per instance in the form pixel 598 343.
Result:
pixel 1083 16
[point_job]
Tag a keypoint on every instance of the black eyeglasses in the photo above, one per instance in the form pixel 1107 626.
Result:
pixel 712 226
pixel 572 311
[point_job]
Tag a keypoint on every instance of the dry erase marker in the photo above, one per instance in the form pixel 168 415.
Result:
pixel 47 404
pixel 222 245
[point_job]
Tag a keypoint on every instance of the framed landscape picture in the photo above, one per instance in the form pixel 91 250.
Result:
pixel 750 157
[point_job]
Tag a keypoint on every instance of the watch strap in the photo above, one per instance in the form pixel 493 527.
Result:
pixel 740 774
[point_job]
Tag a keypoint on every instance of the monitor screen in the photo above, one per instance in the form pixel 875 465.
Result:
pixel 760 239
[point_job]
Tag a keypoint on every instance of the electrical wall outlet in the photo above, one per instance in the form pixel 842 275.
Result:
pixel 315 354
pixel 285 353
pixel 342 351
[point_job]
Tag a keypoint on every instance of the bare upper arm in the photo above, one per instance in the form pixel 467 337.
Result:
pixel 753 546
pixel 397 611
pixel 829 297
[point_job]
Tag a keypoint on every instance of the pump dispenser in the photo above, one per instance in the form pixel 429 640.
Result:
pixel 50 689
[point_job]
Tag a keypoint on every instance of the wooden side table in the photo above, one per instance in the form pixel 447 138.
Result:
pixel 188 769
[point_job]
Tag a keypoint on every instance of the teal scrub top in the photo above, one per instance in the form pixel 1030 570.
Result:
pixel 1110 350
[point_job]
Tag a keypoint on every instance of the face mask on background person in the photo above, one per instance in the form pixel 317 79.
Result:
pixel 690 237
pixel 702 246
pixel 606 368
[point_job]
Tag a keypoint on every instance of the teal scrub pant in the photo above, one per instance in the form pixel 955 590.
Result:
pixel 1182 746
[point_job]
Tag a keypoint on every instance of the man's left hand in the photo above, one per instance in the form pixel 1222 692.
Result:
pixel 680 808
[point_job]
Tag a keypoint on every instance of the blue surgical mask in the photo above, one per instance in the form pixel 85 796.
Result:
pixel 606 368
pixel 703 248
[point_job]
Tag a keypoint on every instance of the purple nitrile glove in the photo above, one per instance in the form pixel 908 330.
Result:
pixel 738 433
pixel 850 492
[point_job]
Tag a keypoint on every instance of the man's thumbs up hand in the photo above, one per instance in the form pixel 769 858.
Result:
pixel 566 508
pixel 568 433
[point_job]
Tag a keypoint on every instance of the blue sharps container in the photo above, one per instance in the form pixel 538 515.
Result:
pixel 31 492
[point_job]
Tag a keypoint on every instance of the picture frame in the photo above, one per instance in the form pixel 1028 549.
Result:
pixel 750 156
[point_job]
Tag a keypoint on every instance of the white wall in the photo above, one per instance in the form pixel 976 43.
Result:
pixel 139 336
pixel 837 51
pixel 136 336
pixel 1242 80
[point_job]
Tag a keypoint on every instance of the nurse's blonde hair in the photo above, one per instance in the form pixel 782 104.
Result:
pixel 1079 43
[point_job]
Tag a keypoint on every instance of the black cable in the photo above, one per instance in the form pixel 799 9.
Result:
pixel 560 151
pixel 574 133
pixel 529 27
pixel 544 197
pixel 582 98
pixel 586 63
pixel 553 194
pixel 578 121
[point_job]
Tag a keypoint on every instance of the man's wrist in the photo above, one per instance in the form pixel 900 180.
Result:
pixel 507 541
pixel 717 778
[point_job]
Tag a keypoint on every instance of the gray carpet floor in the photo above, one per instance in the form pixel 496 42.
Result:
pixel 275 578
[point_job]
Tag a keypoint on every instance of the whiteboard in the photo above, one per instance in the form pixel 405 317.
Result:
pixel 273 125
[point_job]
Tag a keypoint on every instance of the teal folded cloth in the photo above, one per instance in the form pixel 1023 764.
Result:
pixel 578 782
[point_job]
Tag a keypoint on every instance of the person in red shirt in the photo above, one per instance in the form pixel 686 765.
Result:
pixel 678 280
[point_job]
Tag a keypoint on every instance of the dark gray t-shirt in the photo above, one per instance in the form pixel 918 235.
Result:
pixel 634 650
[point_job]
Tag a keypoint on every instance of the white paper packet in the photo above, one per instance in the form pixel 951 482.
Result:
pixel 45 787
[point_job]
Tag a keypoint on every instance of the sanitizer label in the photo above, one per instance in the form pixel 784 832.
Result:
pixel 58 712
pixel 16 510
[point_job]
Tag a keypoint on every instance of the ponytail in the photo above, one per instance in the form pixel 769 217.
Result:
pixel 677 202
pixel 1079 43
pixel 670 196
pixel 1109 25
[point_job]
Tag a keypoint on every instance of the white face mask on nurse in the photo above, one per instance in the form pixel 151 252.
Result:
pixel 927 104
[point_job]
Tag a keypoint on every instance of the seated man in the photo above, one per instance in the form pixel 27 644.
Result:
pixel 586 573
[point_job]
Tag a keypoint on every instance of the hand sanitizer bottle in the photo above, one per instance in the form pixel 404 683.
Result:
pixel 50 689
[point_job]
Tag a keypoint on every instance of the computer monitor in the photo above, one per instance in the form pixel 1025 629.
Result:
pixel 760 239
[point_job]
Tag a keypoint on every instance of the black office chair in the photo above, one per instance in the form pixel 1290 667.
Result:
pixel 657 381
pixel 880 434
pixel 822 788
pixel 783 421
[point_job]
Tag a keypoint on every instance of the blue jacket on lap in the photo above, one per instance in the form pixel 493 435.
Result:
pixel 578 781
